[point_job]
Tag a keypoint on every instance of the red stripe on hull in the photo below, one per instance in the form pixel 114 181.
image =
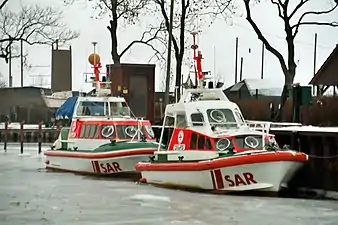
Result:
pixel 93 167
pixel 224 162
pixel 213 180
pixel 97 166
pixel 219 179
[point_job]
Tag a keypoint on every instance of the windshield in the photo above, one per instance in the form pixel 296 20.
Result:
pixel 119 109
pixel 90 109
pixel 221 118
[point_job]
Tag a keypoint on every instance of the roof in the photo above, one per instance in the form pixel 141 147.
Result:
pixel 264 86
pixel 322 77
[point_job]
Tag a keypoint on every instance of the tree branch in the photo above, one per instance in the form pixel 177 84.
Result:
pixel 143 41
pixel 262 38
pixel 300 21
pixel 3 4
pixel 279 7
pixel 300 4
pixel 33 25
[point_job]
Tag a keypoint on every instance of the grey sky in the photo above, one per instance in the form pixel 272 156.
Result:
pixel 220 36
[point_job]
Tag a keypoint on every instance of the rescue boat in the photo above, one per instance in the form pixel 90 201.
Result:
pixel 104 137
pixel 213 148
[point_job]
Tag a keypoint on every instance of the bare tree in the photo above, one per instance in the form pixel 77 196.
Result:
pixel 287 14
pixel 122 13
pixel 185 17
pixel 3 3
pixel 33 25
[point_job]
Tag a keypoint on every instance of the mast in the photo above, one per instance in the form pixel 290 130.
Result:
pixel 198 61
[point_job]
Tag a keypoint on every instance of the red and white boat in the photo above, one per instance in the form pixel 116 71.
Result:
pixel 103 138
pixel 213 148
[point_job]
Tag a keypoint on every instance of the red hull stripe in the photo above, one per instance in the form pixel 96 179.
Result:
pixel 100 155
pixel 213 180
pixel 223 162
pixel 219 179
pixel 93 167
pixel 97 166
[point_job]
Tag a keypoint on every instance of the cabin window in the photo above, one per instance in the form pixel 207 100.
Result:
pixel 239 116
pixel 201 142
pixel 193 141
pixel 119 109
pixel 87 132
pixel 87 108
pixel 181 121
pixel 197 119
pixel 221 117
pixel 129 131
pixel 208 144
pixel 169 121
pixel 83 130
pixel 93 131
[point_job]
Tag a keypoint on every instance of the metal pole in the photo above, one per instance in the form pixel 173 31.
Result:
pixel 241 70
pixel 262 69
pixel 170 31
pixel 236 60
pixel 21 66
pixel 10 79
pixel 315 61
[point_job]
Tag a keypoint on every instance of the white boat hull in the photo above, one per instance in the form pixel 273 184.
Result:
pixel 98 166
pixel 270 177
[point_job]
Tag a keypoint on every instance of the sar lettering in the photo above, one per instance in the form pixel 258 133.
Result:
pixel 240 179
pixel 113 167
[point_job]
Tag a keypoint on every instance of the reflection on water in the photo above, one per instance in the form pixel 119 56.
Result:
pixel 30 195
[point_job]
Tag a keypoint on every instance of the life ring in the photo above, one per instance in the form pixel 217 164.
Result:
pixel 219 117
pixel 130 131
pixel 223 144
pixel 150 131
pixel 107 131
pixel 251 141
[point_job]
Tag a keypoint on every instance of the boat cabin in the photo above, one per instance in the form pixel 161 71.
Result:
pixel 205 120
pixel 98 119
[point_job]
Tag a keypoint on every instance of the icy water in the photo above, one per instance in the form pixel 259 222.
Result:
pixel 31 196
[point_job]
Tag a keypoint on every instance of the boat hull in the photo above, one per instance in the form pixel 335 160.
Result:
pixel 106 163
pixel 238 173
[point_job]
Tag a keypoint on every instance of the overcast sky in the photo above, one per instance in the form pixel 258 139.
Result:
pixel 216 41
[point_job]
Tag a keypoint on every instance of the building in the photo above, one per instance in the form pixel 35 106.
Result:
pixel 24 104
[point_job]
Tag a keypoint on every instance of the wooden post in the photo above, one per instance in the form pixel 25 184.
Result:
pixel 40 138
pixel 21 136
pixel 6 136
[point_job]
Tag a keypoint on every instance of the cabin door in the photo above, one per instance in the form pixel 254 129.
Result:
pixel 138 93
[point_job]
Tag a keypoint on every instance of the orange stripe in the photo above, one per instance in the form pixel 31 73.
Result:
pixel 223 162
pixel 91 155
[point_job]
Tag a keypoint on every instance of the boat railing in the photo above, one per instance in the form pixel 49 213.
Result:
pixel 266 126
